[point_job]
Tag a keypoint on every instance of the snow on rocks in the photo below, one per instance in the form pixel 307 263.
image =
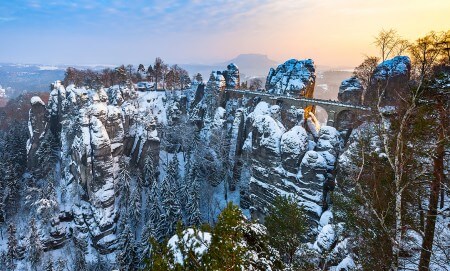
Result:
pixel 266 135
pixel 219 117
pixel 36 126
pixel 36 100
pixel 294 144
pixel 350 91
pixel 313 167
pixel 232 76
pixel 228 78
pixel 325 239
pixel 326 218
pixel 391 75
pixel 292 78
pixel 347 264
pixel 329 140
pixel 398 65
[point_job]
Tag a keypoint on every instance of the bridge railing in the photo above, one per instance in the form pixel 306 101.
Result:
pixel 307 100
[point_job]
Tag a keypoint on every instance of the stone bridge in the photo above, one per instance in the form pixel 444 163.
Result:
pixel 337 111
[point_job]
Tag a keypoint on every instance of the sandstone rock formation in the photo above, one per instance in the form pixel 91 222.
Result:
pixel 294 144
pixel 351 91
pixel 389 79
pixel 94 127
pixel 293 78
pixel 232 76
pixel 228 78
pixel 36 124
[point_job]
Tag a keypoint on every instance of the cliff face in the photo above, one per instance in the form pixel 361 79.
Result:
pixel 93 134
pixel 389 80
pixel 37 121
pixel 351 91
pixel 280 157
pixel 110 141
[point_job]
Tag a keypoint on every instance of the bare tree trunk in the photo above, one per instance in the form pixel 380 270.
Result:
pixel 399 187
pixel 438 176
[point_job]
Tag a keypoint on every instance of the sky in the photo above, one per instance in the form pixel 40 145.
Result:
pixel 331 32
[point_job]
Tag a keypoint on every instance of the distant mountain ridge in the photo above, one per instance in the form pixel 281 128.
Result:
pixel 250 65
pixel 253 64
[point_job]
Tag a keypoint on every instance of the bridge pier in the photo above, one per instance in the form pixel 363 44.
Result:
pixel 331 118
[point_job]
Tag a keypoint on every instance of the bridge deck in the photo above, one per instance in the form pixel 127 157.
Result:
pixel 300 100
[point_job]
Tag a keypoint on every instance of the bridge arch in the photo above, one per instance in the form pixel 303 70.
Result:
pixel 339 115
pixel 345 119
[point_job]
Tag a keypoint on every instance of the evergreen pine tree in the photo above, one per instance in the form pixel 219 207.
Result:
pixel 155 217
pixel 80 263
pixel 286 226
pixel 2 195
pixel 35 248
pixel 193 204
pixel 227 250
pixel 148 234
pixel 170 200
pixel 124 186
pixel 3 259
pixel 127 257
pixel 134 204
pixel 99 264
pixel 49 265
pixel 12 253
pixel 149 171
pixel 61 265
pixel 13 159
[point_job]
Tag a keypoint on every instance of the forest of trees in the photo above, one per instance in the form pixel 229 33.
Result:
pixel 237 243
pixel 393 194
pixel 161 74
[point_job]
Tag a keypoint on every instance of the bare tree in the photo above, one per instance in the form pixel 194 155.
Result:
pixel 159 70
pixel 256 83
pixel 389 42
pixel 364 72
pixel 425 53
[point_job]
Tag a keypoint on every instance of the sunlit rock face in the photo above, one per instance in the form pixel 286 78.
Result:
pixel 292 78
pixel 389 82
pixel 350 91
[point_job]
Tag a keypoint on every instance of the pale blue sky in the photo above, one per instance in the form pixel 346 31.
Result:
pixel 132 31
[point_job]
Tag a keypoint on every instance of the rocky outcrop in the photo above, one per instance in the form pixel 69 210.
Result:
pixel 37 126
pixel 292 78
pixel 266 137
pixel 56 105
pixel 285 162
pixel 313 169
pixel 350 91
pixel 294 145
pixel 232 76
pixel 94 129
pixel 391 79
pixel 227 79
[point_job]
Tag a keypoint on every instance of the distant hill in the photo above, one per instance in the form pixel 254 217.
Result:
pixel 253 65
pixel 17 78
pixel 20 78
pixel 250 65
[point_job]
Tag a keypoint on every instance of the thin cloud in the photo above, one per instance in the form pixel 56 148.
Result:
pixel 7 19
